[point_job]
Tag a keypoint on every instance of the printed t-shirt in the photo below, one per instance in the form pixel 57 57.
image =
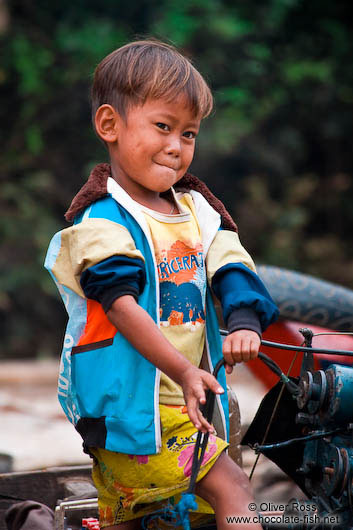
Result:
pixel 182 281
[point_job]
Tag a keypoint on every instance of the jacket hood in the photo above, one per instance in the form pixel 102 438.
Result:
pixel 96 188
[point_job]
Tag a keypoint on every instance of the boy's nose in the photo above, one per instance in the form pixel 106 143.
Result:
pixel 173 147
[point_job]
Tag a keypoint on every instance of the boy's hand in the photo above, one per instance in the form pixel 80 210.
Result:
pixel 194 383
pixel 241 345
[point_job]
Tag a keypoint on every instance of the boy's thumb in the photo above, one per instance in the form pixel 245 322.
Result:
pixel 215 386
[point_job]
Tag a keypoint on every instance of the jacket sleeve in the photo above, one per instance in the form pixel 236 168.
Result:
pixel 98 259
pixel 232 276
pixel 113 277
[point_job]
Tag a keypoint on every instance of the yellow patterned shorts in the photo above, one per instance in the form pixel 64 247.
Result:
pixel 132 486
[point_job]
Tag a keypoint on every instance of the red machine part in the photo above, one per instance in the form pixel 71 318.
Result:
pixel 90 523
pixel 287 332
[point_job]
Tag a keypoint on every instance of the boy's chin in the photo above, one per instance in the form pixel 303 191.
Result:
pixel 163 188
pixel 166 179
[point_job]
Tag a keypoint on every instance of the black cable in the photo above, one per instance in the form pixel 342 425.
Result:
pixel 290 347
pixel 272 365
pixel 197 460
pixel 305 349
pixel 292 387
pixel 320 434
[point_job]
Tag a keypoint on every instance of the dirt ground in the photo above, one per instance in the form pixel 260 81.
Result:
pixel 34 430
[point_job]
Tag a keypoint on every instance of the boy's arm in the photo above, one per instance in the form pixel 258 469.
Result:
pixel 244 296
pixel 142 332
pixel 248 308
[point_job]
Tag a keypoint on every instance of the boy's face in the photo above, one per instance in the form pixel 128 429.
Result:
pixel 155 146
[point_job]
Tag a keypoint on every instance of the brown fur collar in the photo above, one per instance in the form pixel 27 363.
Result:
pixel 96 188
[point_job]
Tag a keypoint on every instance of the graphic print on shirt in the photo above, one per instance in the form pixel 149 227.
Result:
pixel 182 285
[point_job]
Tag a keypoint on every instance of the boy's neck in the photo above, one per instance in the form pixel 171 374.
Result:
pixel 154 200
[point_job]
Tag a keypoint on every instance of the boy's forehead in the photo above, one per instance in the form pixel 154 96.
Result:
pixel 175 108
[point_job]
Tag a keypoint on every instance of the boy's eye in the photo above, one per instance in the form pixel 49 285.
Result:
pixel 162 126
pixel 190 135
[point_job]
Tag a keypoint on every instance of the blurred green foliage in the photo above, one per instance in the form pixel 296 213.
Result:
pixel 277 150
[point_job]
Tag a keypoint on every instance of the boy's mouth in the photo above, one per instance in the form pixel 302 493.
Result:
pixel 169 166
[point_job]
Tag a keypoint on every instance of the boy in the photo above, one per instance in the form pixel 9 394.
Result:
pixel 136 269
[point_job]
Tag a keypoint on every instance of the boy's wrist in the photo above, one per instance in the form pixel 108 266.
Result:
pixel 244 318
pixel 181 367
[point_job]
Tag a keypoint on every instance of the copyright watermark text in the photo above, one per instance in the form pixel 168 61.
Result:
pixel 294 514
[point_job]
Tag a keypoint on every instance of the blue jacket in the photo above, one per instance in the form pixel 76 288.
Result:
pixel 107 389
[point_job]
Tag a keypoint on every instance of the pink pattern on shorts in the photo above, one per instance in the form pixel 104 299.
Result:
pixel 185 456
pixel 141 459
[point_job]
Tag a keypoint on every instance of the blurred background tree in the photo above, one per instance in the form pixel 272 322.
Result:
pixel 277 150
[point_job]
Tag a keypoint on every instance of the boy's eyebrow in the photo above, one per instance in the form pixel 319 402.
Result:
pixel 173 117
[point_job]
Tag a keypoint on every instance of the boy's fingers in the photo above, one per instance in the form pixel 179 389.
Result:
pixel 197 397
pixel 229 369
pixel 237 354
pixel 196 416
pixel 254 351
pixel 200 394
pixel 231 347
pixel 240 349
pixel 192 407
pixel 212 383
pixel 205 426
pixel 228 357
pixel 227 346
pixel 246 351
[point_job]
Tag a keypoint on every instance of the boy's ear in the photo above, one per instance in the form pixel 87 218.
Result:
pixel 107 123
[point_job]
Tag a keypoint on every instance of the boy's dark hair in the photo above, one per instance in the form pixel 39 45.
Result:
pixel 148 69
